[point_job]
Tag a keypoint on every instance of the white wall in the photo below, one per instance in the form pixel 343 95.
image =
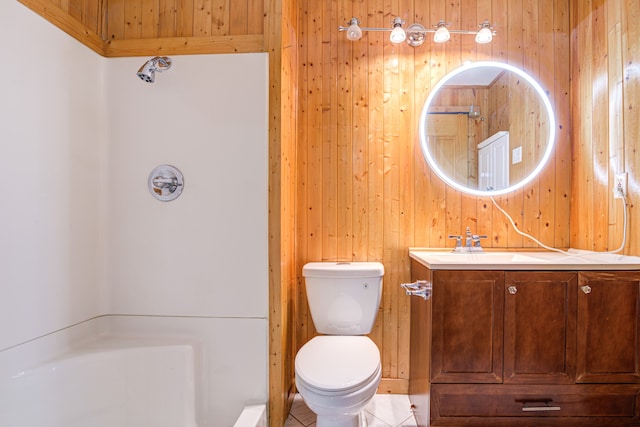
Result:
pixel 205 253
pixel 52 169
pixel 80 235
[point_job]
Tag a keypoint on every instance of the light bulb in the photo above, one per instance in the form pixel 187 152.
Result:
pixel 398 35
pixel 484 35
pixel 442 33
pixel 354 32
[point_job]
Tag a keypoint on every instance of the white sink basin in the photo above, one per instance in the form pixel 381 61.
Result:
pixel 574 260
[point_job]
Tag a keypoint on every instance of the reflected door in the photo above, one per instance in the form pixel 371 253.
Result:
pixel 449 142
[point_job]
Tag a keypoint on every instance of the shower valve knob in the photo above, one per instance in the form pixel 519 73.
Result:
pixel 165 183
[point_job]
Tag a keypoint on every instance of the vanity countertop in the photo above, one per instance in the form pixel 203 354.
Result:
pixel 443 259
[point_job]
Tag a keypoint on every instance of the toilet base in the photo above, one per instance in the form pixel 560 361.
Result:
pixel 358 420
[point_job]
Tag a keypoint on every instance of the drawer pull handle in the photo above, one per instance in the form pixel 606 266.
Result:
pixel 539 407
pixel 512 290
pixel 586 289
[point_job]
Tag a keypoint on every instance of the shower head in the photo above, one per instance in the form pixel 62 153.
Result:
pixel 148 70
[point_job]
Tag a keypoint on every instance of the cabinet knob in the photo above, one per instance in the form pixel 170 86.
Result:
pixel 512 290
pixel 586 289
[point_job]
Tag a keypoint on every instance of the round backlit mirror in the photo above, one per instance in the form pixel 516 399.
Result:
pixel 487 128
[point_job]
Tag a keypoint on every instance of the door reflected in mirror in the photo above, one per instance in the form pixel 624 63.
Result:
pixel 487 128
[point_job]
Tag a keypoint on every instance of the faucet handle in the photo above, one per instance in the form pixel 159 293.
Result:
pixel 476 240
pixel 458 239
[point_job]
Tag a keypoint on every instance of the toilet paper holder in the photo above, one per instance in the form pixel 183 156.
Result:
pixel 420 288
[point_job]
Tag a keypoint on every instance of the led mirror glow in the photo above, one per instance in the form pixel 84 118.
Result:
pixel 546 112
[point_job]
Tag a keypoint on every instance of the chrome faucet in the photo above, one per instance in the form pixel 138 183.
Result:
pixel 472 242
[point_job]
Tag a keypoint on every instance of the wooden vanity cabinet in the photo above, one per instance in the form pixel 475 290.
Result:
pixel 466 332
pixel 526 348
pixel 539 327
pixel 608 327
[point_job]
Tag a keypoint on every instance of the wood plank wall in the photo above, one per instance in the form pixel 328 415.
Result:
pixel 183 26
pixel 364 190
pixel 118 28
pixel 605 54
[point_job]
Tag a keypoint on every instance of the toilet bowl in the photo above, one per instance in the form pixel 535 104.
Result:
pixel 337 374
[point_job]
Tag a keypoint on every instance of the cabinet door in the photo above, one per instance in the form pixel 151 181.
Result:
pixel 467 326
pixel 540 327
pixel 608 327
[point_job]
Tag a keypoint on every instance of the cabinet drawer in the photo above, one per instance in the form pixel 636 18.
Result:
pixel 458 400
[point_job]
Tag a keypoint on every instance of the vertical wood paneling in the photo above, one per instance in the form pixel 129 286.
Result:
pixel 547 189
pixel 184 18
pixel 374 245
pixel 359 139
pixel 531 61
pixel 615 122
pixel 605 48
pixel 342 168
pixel 179 18
pixel 220 17
pixel 202 18
pixel 407 124
pixel 133 19
pixel 281 22
pixel 255 21
pixel 562 159
pixel 631 118
pixel 368 194
pixel 600 152
pixel 149 17
pixel 238 14
pixel 167 18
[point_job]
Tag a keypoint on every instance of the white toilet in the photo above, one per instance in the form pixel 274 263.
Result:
pixel 338 373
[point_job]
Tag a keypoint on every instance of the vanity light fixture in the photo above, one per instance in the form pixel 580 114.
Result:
pixel 442 33
pixel 485 35
pixel 415 34
pixel 398 34
pixel 353 31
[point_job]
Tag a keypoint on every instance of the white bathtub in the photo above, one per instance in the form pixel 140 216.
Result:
pixel 109 382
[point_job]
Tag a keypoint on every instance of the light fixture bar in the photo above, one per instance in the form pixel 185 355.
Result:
pixel 415 33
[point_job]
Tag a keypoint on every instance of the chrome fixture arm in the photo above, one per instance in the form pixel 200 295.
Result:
pixel 420 288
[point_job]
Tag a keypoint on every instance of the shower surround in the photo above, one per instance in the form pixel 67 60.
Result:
pixel 84 241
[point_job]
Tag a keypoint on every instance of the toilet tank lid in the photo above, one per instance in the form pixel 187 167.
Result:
pixel 343 269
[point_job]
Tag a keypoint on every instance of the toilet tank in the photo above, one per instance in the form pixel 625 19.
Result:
pixel 343 297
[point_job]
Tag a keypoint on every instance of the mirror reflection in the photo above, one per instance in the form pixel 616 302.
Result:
pixel 487 128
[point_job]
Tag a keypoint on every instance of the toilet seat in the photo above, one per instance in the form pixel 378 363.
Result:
pixel 333 364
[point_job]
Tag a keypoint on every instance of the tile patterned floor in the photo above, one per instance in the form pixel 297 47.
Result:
pixel 385 410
